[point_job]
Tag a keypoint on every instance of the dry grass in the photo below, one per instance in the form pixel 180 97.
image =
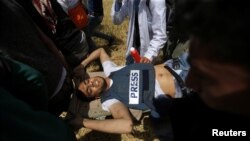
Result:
pixel 143 131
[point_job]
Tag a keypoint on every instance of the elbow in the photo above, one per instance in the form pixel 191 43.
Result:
pixel 102 49
pixel 129 127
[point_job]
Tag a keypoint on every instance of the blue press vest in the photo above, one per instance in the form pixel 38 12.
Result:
pixel 134 86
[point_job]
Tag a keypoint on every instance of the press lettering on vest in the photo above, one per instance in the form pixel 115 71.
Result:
pixel 134 87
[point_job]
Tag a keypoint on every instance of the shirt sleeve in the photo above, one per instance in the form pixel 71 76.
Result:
pixel 110 66
pixel 108 103
pixel 159 38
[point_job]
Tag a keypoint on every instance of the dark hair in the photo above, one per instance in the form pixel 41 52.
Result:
pixel 223 24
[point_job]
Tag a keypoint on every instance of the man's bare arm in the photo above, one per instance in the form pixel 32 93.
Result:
pixel 98 53
pixel 122 122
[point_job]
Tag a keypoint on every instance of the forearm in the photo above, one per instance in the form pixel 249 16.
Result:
pixel 110 125
pixel 93 56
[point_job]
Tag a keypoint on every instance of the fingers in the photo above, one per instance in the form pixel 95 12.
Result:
pixel 145 60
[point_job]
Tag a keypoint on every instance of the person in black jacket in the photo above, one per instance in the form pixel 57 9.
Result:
pixel 24 105
pixel 219 73
pixel 58 26
pixel 28 37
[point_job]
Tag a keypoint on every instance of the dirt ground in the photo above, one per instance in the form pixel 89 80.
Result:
pixel 142 132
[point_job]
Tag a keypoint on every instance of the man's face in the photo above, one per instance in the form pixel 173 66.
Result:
pixel 92 87
pixel 214 80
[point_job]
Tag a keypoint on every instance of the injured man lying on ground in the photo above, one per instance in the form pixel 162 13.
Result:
pixel 122 91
